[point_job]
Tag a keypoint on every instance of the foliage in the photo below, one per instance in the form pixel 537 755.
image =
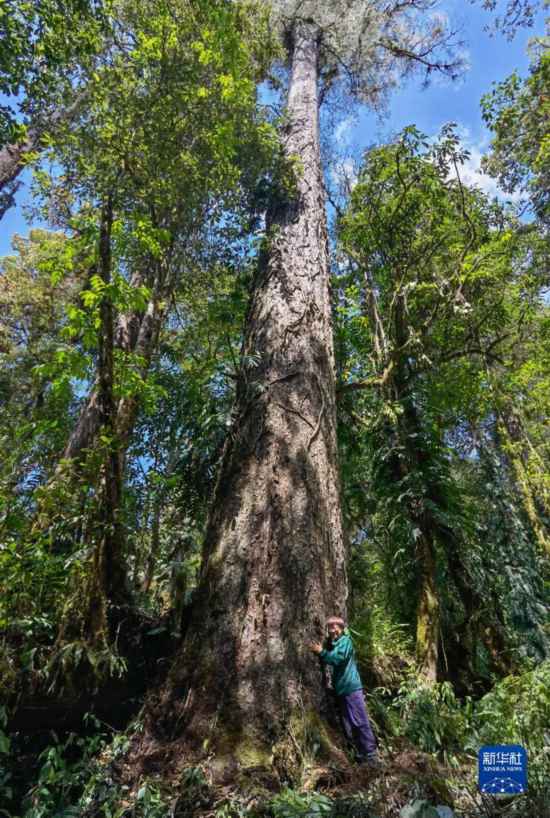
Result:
pixel 180 206
pixel 44 44
pixel 433 719
pixel 517 111
pixel 514 711
pixel 40 283
pixel 513 15
pixel 290 804
pixel 369 46
pixel 425 332
pixel 443 334
pixel 62 770
pixel 150 802
pixel 517 711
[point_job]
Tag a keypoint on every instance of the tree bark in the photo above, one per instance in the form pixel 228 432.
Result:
pixel 520 453
pixel 110 561
pixel 12 162
pixel 428 612
pixel 410 432
pixel 274 555
pixel 13 157
pixel 107 579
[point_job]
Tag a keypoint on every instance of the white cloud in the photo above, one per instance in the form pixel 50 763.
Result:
pixel 343 130
pixel 344 175
pixel 470 170
pixel 471 173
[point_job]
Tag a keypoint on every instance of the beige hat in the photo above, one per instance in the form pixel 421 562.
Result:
pixel 336 620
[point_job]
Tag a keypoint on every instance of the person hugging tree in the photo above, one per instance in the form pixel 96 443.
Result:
pixel 339 654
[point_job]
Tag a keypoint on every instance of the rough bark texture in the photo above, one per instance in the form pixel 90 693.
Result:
pixel 13 157
pixel 12 162
pixel 274 553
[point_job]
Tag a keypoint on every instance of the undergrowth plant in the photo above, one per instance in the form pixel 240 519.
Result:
pixel 290 804
pixel 432 718
pixel 65 766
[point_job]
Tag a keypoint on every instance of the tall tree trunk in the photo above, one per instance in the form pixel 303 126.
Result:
pixel 107 580
pixel 520 455
pixel 274 554
pixel 134 333
pixel 110 561
pixel 410 428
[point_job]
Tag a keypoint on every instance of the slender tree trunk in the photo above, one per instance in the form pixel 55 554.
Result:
pixel 107 580
pixel 274 555
pixel 428 608
pixel 428 611
pixel 519 453
pixel 134 333
pixel 111 562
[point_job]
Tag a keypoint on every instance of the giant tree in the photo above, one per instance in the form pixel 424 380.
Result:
pixel 274 557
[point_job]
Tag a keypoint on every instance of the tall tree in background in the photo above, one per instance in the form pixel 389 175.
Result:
pixel 172 139
pixel 517 111
pixel 425 253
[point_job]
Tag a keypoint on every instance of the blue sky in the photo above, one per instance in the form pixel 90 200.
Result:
pixel 490 58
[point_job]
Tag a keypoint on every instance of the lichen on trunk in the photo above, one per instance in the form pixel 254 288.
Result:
pixel 428 611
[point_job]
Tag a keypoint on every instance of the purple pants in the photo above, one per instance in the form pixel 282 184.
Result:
pixel 355 722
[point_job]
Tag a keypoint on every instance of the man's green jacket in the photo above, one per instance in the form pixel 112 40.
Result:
pixel 341 656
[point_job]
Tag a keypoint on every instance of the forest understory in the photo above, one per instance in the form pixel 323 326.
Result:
pixel 252 382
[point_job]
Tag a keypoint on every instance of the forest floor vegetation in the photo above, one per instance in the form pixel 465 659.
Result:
pixel 428 750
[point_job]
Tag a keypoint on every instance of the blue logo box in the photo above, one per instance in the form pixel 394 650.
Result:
pixel 502 769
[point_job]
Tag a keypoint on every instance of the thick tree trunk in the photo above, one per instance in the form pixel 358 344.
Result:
pixel 274 553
